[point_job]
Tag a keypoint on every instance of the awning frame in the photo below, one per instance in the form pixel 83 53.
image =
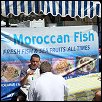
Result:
pixel 62 8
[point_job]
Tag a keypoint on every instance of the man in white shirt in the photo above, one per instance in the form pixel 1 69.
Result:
pixel 48 87
pixel 30 73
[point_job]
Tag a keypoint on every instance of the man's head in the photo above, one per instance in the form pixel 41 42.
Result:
pixel 35 61
pixel 98 96
pixel 45 67
pixel 21 98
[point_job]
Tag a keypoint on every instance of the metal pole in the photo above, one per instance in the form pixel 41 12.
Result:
pixel 7 22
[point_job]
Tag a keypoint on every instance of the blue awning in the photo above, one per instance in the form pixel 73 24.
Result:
pixel 63 8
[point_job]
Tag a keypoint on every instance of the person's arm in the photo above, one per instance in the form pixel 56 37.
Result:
pixel 66 91
pixel 23 79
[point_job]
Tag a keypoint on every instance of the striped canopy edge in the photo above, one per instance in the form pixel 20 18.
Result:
pixel 62 8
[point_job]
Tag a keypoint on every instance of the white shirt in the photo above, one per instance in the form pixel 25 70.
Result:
pixel 48 87
pixel 30 79
pixel 35 75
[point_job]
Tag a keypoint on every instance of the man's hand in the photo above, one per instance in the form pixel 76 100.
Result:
pixel 30 72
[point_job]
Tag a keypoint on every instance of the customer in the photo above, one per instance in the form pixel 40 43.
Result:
pixel 48 87
pixel 21 98
pixel 97 96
